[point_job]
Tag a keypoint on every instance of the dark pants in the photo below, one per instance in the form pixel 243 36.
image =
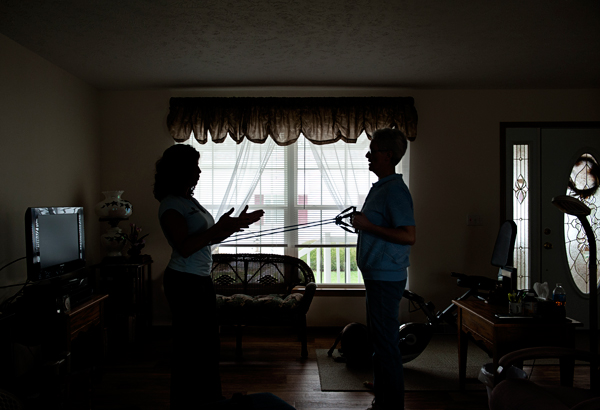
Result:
pixel 383 307
pixel 195 378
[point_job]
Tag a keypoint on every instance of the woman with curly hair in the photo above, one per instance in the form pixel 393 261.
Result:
pixel 191 230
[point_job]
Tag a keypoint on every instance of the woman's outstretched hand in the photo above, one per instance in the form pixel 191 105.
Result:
pixel 251 217
pixel 229 225
pixel 176 228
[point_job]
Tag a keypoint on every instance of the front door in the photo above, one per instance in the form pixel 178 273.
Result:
pixel 568 155
pixel 539 160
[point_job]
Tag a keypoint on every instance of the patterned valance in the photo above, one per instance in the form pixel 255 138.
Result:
pixel 320 120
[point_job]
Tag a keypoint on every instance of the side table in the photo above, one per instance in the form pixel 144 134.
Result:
pixel 129 285
pixel 68 348
pixel 478 320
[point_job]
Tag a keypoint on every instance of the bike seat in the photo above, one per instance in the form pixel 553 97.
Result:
pixel 476 282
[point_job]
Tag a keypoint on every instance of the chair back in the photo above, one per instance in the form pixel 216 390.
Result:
pixel 505 245
pixel 258 274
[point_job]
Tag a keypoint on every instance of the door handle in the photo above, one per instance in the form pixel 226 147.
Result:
pixel 547 245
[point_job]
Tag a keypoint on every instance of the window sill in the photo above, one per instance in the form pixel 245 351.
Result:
pixel 329 290
pixel 333 291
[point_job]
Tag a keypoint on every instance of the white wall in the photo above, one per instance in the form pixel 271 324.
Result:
pixel 455 170
pixel 49 154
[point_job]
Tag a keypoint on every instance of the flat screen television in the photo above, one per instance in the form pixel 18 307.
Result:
pixel 55 242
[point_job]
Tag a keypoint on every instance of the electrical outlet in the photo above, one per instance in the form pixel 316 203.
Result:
pixel 473 220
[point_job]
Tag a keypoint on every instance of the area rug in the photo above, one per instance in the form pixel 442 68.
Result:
pixel 435 369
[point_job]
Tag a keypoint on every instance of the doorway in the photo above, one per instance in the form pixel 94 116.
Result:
pixel 539 161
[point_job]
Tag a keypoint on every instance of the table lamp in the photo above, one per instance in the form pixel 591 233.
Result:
pixel 573 206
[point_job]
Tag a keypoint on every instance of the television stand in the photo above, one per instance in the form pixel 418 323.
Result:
pixel 58 293
pixel 73 342
pixel 87 316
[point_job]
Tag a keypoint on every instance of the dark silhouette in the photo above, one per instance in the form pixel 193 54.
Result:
pixel 386 231
pixel 191 230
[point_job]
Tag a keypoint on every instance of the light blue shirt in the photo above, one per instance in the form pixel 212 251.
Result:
pixel 198 220
pixel 388 204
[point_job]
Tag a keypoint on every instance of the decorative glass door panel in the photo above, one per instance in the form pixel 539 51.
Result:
pixel 567 159
pixel 521 201
pixel 542 161
pixel 583 185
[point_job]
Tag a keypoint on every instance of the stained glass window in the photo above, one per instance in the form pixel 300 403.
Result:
pixel 583 185
pixel 522 255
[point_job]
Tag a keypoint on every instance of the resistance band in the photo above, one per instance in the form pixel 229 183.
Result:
pixel 338 220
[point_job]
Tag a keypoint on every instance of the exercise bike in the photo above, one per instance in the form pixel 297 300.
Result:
pixel 414 337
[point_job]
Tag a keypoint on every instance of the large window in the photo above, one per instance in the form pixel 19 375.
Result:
pixel 301 185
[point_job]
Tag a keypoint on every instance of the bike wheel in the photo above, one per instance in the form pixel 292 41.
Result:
pixel 414 338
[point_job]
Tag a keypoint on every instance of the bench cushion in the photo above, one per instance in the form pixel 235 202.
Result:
pixel 241 308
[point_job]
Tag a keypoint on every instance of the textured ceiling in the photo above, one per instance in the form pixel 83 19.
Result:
pixel 126 44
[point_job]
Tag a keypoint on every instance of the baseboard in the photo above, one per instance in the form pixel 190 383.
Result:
pixel 161 331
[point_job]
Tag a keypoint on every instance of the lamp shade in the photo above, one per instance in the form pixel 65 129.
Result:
pixel 571 206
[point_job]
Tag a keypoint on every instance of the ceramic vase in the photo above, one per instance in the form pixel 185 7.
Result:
pixel 113 242
pixel 113 206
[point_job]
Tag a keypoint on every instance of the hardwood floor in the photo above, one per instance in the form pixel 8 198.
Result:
pixel 138 377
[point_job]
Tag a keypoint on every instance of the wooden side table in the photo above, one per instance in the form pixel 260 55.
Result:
pixel 85 317
pixel 129 285
pixel 70 346
pixel 478 320
pixel 83 324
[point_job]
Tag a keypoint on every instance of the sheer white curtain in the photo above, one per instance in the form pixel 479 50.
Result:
pixel 245 178
pixel 338 164
pixel 231 174
pixel 332 167
pixel 249 166
pixel 343 180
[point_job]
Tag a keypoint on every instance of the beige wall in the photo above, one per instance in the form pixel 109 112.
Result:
pixel 64 143
pixel 455 170
pixel 49 154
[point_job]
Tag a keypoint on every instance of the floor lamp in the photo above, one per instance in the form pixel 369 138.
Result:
pixel 575 207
